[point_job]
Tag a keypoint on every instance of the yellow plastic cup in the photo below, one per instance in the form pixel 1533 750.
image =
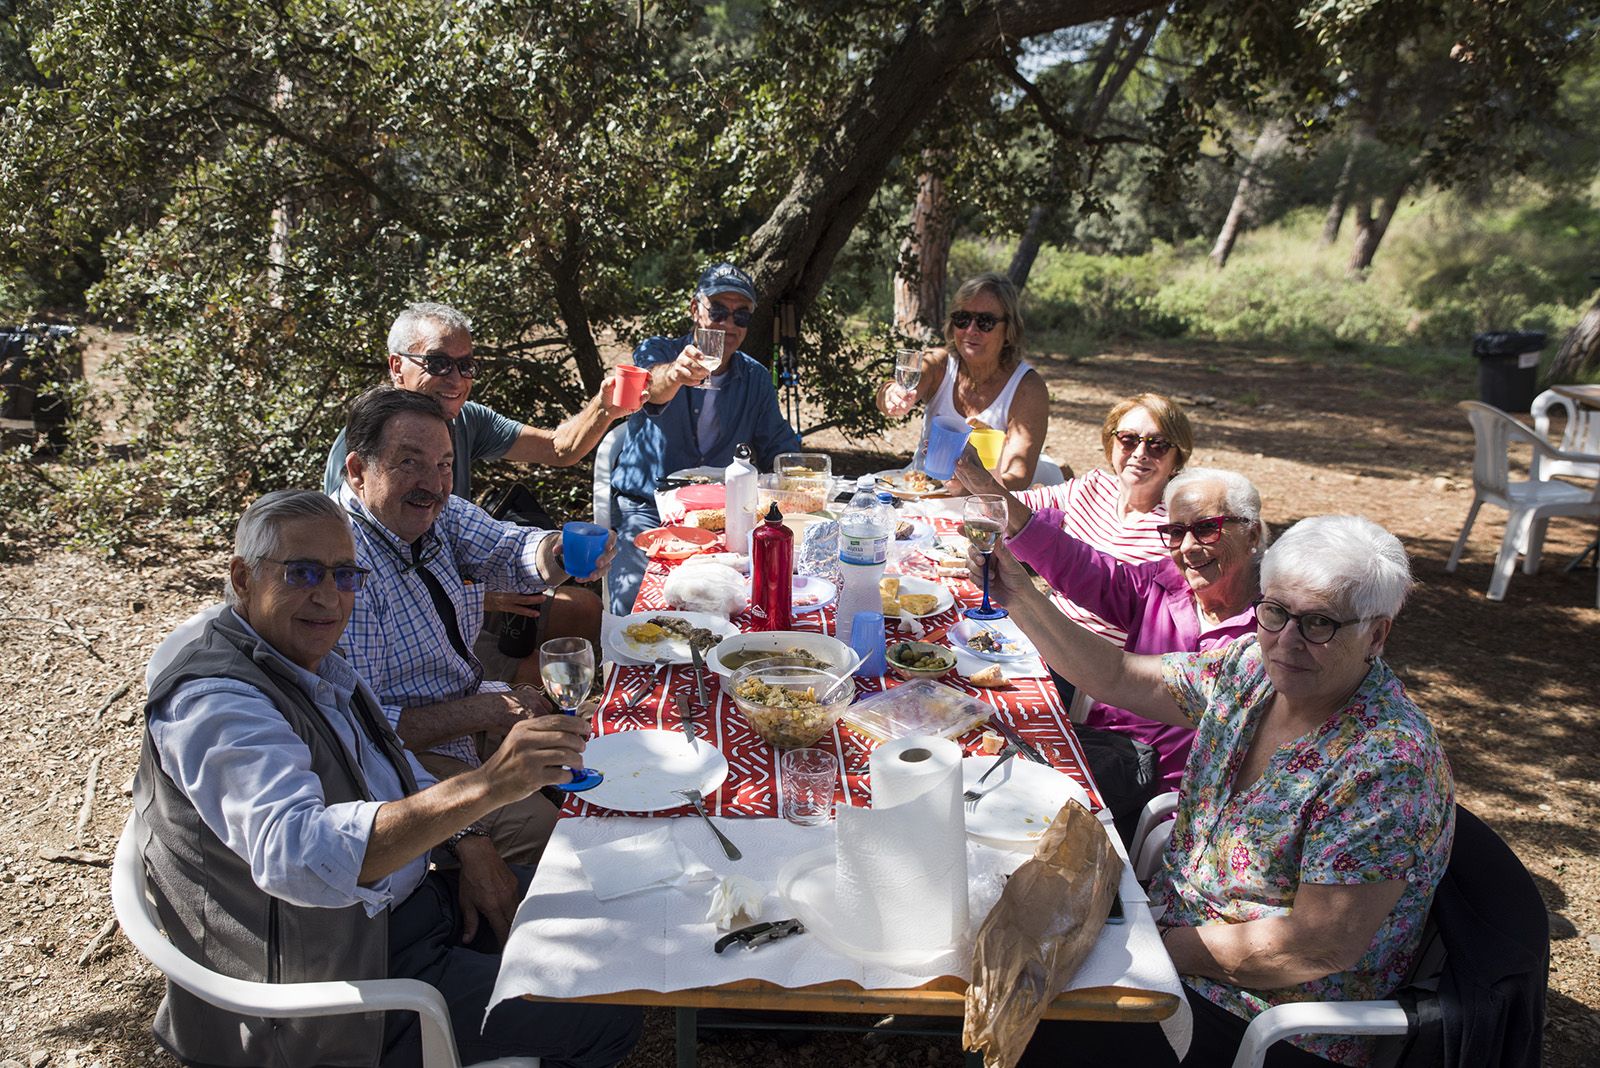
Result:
pixel 988 443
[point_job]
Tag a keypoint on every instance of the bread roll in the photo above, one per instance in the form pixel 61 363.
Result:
pixel 990 678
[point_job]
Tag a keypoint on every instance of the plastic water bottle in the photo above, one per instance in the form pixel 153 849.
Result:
pixel 740 504
pixel 865 530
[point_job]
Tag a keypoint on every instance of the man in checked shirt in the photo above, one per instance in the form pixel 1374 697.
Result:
pixel 433 556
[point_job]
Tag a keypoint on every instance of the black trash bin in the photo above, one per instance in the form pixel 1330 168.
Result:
pixel 1508 368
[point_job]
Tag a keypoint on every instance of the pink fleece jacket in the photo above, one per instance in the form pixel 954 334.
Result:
pixel 1151 601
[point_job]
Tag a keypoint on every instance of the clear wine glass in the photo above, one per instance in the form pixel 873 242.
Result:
pixel 983 517
pixel 907 368
pixel 567 667
pixel 712 345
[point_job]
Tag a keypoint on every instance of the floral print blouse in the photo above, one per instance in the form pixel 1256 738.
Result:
pixel 1367 797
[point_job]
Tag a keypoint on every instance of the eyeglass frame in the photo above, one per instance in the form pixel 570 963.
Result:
pixel 322 571
pixel 742 317
pixel 465 366
pixel 1164 530
pixel 1155 446
pixel 976 319
pixel 1300 621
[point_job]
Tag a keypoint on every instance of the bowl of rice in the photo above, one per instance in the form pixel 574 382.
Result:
pixel 779 697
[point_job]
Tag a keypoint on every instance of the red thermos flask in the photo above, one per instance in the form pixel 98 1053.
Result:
pixel 771 574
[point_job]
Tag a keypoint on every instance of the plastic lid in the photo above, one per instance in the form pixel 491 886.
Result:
pixel 920 707
pixel 866 482
pixel 773 515
pixel 885 497
pixel 741 451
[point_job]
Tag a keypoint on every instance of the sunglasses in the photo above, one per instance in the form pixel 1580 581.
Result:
pixel 308 575
pixel 1314 627
pixel 741 317
pixel 1154 447
pixel 439 365
pixel 982 320
pixel 1205 531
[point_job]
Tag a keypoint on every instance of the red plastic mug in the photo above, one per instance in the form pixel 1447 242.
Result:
pixel 627 390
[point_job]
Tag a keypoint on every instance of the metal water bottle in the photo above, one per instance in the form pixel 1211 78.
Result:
pixel 772 574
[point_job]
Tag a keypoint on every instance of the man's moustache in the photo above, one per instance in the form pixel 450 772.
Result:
pixel 424 499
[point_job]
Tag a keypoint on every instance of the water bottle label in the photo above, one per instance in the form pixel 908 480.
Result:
pixel 863 548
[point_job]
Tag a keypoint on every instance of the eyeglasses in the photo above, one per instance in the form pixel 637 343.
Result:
pixel 1154 446
pixel 1314 627
pixel 982 320
pixel 718 314
pixel 1205 531
pixel 439 364
pixel 308 574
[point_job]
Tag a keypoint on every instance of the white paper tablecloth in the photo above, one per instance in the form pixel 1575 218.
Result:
pixel 567 943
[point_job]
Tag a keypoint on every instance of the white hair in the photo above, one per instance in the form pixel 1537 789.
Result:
pixel 402 335
pixel 1347 558
pixel 256 538
pixel 1239 495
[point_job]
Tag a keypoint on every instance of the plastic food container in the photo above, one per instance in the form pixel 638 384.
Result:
pixel 920 707
pixel 778 724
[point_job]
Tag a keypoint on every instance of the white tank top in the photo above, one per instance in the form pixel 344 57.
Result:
pixel 996 415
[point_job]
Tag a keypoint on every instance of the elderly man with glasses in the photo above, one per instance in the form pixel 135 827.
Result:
pixel 431 352
pixel 290 832
pixel 698 408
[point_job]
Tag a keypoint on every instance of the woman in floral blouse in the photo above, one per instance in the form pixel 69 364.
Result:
pixel 1317 807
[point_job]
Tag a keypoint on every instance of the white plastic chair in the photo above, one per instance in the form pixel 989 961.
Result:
pixel 1581 434
pixel 1047 472
pixel 605 455
pixel 137 915
pixel 181 635
pixel 1530 504
pixel 1151 835
pixel 1318 1018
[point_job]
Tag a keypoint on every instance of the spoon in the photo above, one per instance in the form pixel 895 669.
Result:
pixel 848 676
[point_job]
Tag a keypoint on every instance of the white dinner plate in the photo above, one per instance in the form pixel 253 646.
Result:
pixel 643 767
pixel 618 647
pixel 715 474
pixel 1018 646
pixel 946 599
pixel 812 593
pixel 891 480
pixel 1017 810
pixel 824 647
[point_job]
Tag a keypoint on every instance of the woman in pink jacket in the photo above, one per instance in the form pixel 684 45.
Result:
pixel 1199 596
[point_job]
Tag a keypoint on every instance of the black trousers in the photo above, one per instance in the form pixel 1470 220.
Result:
pixel 425 943
pixel 1217 1033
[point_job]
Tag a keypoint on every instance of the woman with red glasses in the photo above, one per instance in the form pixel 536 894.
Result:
pixel 1196 597
pixel 982 378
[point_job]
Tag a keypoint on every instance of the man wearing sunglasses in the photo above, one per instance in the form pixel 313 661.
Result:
pixel 432 555
pixel 290 832
pixel 431 352
pixel 697 411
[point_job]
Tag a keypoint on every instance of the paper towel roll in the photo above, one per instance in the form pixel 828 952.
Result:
pixel 902 864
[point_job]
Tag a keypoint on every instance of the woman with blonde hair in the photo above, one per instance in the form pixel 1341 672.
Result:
pixel 981 377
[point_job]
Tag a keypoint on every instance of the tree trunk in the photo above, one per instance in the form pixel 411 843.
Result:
pixel 573 309
pixel 924 258
pixel 1371 228
pixel 1580 352
pixel 1274 135
pixel 1340 201
pixel 1028 247
pixel 792 252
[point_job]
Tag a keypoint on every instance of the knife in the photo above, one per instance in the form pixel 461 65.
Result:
pixel 686 719
pixel 699 676
pixel 1019 741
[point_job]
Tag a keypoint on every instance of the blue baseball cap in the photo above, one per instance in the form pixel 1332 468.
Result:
pixel 725 278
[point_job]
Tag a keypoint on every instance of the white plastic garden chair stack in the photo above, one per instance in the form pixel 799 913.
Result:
pixel 1530 504
pixel 1581 434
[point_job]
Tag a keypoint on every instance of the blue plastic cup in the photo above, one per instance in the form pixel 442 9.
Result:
pixel 866 641
pixel 581 546
pixel 946 438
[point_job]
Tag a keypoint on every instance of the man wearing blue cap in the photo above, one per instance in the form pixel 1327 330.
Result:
pixel 681 427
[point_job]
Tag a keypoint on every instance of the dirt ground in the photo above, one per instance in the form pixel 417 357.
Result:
pixel 1509 686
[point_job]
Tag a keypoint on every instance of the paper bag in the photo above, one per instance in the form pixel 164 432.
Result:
pixel 1038 933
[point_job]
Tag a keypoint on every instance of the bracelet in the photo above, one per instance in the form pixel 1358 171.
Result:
pixel 474 829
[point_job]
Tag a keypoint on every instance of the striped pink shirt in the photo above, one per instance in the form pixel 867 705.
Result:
pixel 1088 506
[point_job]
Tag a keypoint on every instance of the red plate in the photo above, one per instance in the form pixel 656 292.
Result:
pixel 674 543
pixel 698 498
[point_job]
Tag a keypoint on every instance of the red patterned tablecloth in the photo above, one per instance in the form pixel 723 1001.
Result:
pixel 1031 706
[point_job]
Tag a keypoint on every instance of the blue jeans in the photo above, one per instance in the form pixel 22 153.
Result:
pixel 629 518
pixel 424 943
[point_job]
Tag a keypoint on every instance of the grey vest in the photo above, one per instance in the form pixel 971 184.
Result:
pixel 214 912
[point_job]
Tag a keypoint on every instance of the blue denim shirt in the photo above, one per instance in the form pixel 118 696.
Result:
pixel 661 438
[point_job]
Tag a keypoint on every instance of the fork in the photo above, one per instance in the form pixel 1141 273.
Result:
pixel 695 798
pixel 974 795
pixel 648 687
